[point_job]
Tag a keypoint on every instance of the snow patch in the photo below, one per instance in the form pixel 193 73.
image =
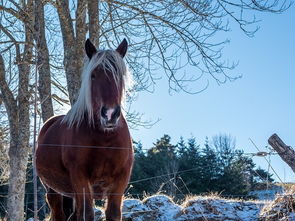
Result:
pixel 164 206
pixel 200 208
pixel 212 208
pixel 133 209
pixel 98 214
pixel 154 208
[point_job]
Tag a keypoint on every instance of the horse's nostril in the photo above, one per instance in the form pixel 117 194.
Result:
pixel 116 113
pixel 111 115
pixel 104 112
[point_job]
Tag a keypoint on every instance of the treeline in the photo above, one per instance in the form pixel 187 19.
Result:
pixel 189 168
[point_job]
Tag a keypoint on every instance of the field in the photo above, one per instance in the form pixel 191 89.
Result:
pixel 209 208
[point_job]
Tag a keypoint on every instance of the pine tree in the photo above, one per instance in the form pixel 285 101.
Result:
pixel 189 159
pixel 162 160
pixel 210 168
pixel 139 171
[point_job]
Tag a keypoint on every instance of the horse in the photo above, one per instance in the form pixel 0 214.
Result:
pixel 87 154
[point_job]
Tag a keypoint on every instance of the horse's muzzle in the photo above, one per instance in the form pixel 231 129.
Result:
pixel 110 117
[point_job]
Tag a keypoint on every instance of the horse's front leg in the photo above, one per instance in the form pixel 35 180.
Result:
pixel 113 211
pixel 55 203
pixel 83 197
pixel 114 203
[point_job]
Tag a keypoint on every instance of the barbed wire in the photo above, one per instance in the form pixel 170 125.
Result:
pixel 268 161
pixel 85 146
pixel 258 154
pixel 209 194
pixel 142 180
pixel 263 154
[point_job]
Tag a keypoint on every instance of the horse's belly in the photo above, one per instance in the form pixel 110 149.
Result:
pixel 58 182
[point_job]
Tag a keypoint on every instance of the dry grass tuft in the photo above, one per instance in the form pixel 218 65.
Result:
pixel 282 208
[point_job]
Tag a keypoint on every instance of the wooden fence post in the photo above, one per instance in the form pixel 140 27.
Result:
pixel 286 152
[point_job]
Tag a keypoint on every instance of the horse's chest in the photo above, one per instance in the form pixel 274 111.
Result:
pixel 100 189
pixel 102 184
pixel 104 177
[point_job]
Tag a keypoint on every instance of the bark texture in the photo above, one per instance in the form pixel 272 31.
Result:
pixel 18 115
pixel 17 108
pixel 286 152
pixel 93 17
pixel 44 85
pixel 73 44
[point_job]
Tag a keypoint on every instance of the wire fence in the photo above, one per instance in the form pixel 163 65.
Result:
pixel 178 173
pixel 259 153
pixel 250 154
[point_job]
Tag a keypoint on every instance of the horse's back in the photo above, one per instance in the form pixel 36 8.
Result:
pixel 48 124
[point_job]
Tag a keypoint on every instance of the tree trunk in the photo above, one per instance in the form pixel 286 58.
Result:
pixel 19 119
pixel 286 152
pixel 18 155
pixel 44 85
pixel 18 116
pixel 73 45
pixel 93 18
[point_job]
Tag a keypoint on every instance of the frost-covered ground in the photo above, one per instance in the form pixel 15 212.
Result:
pixel 206 208
pixel 162 208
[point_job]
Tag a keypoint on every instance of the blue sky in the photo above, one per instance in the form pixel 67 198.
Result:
pixel 255 106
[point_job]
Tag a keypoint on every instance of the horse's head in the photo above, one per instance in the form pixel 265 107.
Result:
pixel 102 88
pixel 107 83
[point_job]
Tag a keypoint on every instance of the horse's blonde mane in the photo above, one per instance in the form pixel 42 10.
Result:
pixel 105 59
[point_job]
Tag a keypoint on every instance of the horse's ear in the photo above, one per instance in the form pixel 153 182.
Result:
pixel 122 48
pixel 90 48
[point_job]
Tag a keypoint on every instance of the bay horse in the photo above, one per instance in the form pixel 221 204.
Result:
pixel 87 154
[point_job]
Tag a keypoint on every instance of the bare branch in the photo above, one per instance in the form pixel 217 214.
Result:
pixel 6 93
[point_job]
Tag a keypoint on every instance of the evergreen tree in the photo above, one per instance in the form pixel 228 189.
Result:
pixel 210 168
pixel 237 174
pixel 186 168
pixel 181 147
pixel 189 159
pixel 260 178
pixel 138 171
pixel 162 160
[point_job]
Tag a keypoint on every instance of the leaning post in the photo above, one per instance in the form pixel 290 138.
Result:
pixel 286 152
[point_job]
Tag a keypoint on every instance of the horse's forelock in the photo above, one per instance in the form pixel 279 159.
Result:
pixel 112 63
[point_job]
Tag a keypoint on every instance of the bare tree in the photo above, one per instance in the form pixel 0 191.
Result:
pixel 168 34
pixel 16 97
pixel 43 65
pixel 225 147
pixel 169 182
pixel 4 168
pixel 73 35
pixel 165 37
